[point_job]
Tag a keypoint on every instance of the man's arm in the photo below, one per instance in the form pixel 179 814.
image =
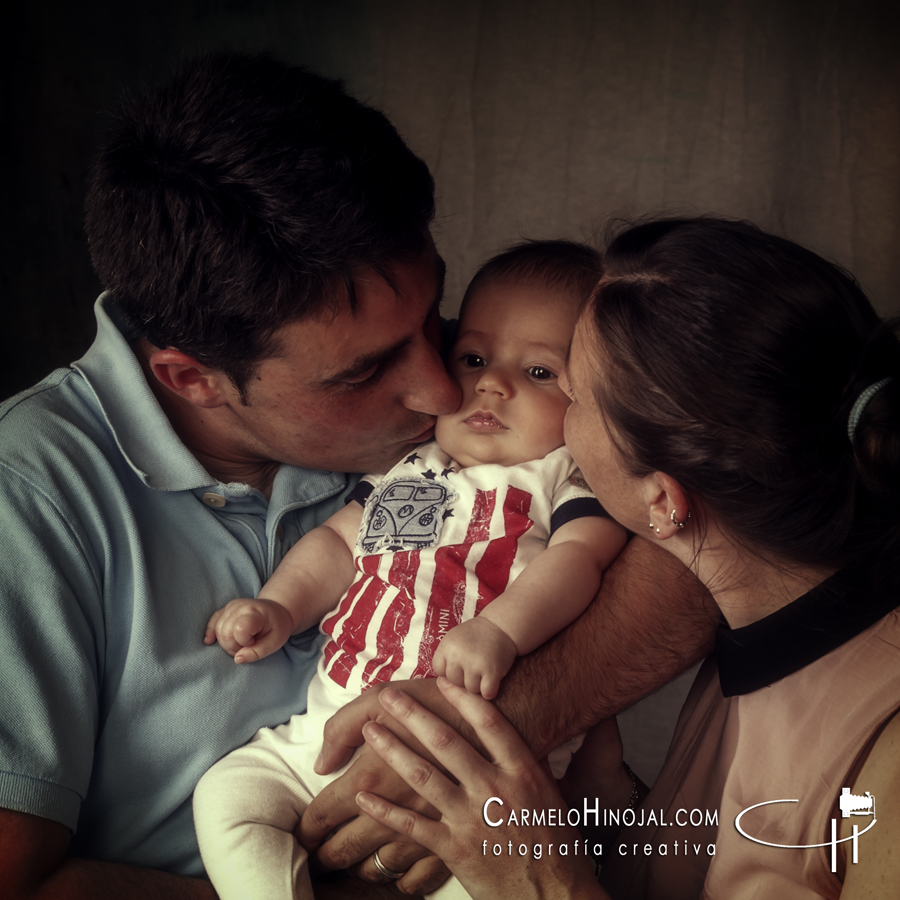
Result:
pixel 651 620
pixel 34 865
pixel 548 594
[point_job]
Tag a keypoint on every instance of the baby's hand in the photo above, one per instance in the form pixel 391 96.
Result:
pixel 249 630
pixel 476 655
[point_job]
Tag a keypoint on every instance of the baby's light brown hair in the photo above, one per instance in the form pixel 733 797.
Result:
pixel 566 268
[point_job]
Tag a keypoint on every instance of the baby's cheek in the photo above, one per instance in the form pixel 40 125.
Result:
pixel 442 433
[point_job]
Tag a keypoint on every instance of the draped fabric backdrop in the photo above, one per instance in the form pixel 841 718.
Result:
pixel 537 118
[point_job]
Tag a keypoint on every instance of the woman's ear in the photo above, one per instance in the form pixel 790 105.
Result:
pixel 189 379
pixel 668 510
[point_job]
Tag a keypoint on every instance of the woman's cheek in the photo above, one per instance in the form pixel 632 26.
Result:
pixel 570 428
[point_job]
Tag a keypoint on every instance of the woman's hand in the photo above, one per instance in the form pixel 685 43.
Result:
pixel 505 859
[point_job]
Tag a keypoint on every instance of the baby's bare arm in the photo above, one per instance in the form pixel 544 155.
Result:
pixel 308 583
pixel 651 620
pixel 317 570
pixel 556 587
pixel 550 592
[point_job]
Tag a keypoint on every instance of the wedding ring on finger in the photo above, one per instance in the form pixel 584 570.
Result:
pixel 384 870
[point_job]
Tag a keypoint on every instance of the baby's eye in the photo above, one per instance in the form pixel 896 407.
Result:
pixel 539 373
pixel 473 360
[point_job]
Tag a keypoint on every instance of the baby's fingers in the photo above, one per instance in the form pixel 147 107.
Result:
pixel 472 681
pixel 209 636
pixel 454 673
pixel 490 685
pixel 247 627
pixel 259 649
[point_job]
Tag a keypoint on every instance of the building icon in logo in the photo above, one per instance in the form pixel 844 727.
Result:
pixel 852 805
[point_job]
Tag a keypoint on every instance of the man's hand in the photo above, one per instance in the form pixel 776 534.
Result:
pixel 249 630
pixel 475 655
pixel 353 845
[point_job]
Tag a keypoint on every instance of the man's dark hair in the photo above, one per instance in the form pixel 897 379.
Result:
pixel 243 195
pixel 564 266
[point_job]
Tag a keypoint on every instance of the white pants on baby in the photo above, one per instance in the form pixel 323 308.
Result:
pixel 247 806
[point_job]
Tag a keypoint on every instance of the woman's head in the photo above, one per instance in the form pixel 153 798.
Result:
pixel 730 360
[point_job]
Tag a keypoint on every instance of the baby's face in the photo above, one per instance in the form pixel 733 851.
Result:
pixel 511 347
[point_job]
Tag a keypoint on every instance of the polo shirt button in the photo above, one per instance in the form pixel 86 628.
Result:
pixel 216 500
pixel 279 532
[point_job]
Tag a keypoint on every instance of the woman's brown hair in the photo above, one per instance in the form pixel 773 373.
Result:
pixel 734 358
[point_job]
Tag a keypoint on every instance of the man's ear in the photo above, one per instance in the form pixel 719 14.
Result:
pixel 190 379
pixel 667 505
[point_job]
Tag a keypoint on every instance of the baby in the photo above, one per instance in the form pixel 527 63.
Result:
pixel 471 551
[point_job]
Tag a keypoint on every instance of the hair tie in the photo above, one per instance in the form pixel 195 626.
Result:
pixel 861 402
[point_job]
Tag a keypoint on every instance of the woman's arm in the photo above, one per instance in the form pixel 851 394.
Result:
pixel 877 874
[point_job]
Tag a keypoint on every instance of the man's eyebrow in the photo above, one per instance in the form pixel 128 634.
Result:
pixel 363 363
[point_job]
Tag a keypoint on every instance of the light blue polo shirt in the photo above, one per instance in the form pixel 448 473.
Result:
pixel 115 548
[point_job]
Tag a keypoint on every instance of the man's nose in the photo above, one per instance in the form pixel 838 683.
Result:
pixel 432 391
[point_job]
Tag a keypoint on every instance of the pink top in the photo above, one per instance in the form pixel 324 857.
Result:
pixel 792 738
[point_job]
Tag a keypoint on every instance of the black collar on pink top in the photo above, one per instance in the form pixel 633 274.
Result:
pixel 832 613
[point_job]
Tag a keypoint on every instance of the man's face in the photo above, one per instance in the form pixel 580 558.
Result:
pixel 355 391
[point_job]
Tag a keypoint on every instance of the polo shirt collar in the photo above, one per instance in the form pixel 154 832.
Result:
pixel 798 634
pixel 146 437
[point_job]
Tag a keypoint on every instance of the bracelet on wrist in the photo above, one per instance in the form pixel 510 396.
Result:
pixel 635 797
pixel 633 802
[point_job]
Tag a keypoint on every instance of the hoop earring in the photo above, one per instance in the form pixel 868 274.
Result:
pixel 682 523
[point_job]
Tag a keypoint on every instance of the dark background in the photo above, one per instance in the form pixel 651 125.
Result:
pixel 537 118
